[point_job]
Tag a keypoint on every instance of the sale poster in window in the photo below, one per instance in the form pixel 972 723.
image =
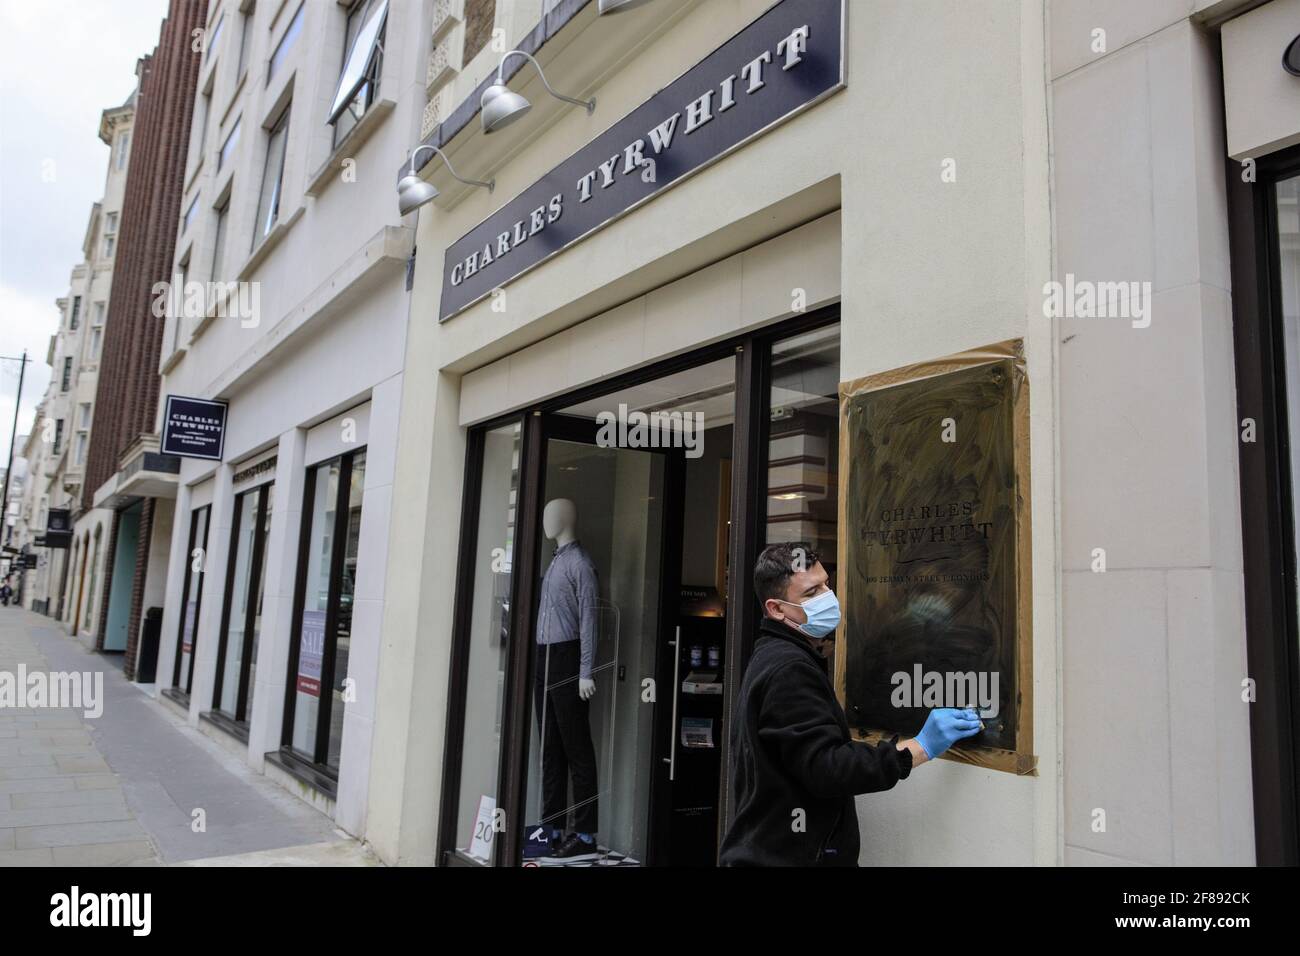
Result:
pixel 311 652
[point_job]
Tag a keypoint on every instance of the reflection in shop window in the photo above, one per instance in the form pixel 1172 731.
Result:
pixel 191 598
pixel 1288 243
pixel 238 651
pixel 803 443
pixel 323 629
pixel 488 642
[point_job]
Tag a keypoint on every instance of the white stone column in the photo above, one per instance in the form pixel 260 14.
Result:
pixel 368 606
pixel 1156 736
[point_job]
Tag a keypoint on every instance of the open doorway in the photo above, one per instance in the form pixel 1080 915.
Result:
pixel 632 596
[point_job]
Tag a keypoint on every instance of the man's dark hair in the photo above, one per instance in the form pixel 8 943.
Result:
pixel 777 563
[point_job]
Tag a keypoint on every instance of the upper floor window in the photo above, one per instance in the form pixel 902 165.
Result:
pixel 480 17
pixel 74 318
pixel 219 244
pixel 110 223
pixel 99 314
pixel 286 43
pixel 202 112
pixel 245 34
pixel 363 53
pixel 83 415
pixel 228 147
pixel 189 215
pixel 214 38
pixel 66 381
pixel 80 456
pixel 123 150
pixel 110 242
pixel 96 342
pixel 58 436
pixel 268 199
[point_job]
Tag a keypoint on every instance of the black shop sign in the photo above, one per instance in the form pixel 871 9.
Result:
pixel 785 61
pixel 194 428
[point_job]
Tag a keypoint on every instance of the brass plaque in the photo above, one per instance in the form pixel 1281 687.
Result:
pixel 934 550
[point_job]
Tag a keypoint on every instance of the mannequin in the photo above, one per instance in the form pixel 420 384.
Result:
pixel 566 651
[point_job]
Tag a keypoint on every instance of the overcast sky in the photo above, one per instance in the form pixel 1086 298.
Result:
pixel 62 62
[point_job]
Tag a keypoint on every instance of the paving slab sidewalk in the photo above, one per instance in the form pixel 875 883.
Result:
pixel 122 789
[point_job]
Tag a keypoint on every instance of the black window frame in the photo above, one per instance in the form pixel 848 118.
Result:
pixel 314 769
pixel 753 354
pixel 238 721
pixel 176 691
pixel 1269 562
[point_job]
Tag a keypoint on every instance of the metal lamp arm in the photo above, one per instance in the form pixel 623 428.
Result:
pixel 490 186
pixel 590 104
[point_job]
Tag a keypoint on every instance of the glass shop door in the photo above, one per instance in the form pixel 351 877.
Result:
pixel 602 575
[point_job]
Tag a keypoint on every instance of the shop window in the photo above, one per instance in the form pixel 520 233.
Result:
pixel 94 571
pixel 191 599
pixel 363 55
pixel 803 425
pixel 625 590
pixel 1286 223
pixel 803 441
pixel 488 638
pixel 322 633
pixel 241 616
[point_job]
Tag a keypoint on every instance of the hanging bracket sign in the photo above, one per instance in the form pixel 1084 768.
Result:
pixel 194 428
pixel 785 61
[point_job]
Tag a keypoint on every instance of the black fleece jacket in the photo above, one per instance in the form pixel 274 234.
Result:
pixel 791 751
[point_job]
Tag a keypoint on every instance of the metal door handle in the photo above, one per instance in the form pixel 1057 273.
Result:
pixel 677 663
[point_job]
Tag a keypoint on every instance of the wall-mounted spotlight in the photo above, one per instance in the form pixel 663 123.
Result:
pixel 413 192
pixel 618 6
pixel 502 105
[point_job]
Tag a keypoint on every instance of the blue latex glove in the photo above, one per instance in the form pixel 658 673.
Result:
pixel 944 727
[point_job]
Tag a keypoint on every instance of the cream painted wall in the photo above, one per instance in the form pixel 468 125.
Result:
pixel 1156 734
pixel 927 268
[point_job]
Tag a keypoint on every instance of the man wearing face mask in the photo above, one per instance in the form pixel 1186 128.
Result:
pixel 795 768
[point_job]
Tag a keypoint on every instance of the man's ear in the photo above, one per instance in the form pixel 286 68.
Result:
pixel 772 609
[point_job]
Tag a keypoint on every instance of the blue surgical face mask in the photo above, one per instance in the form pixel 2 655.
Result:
pixel 823 612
